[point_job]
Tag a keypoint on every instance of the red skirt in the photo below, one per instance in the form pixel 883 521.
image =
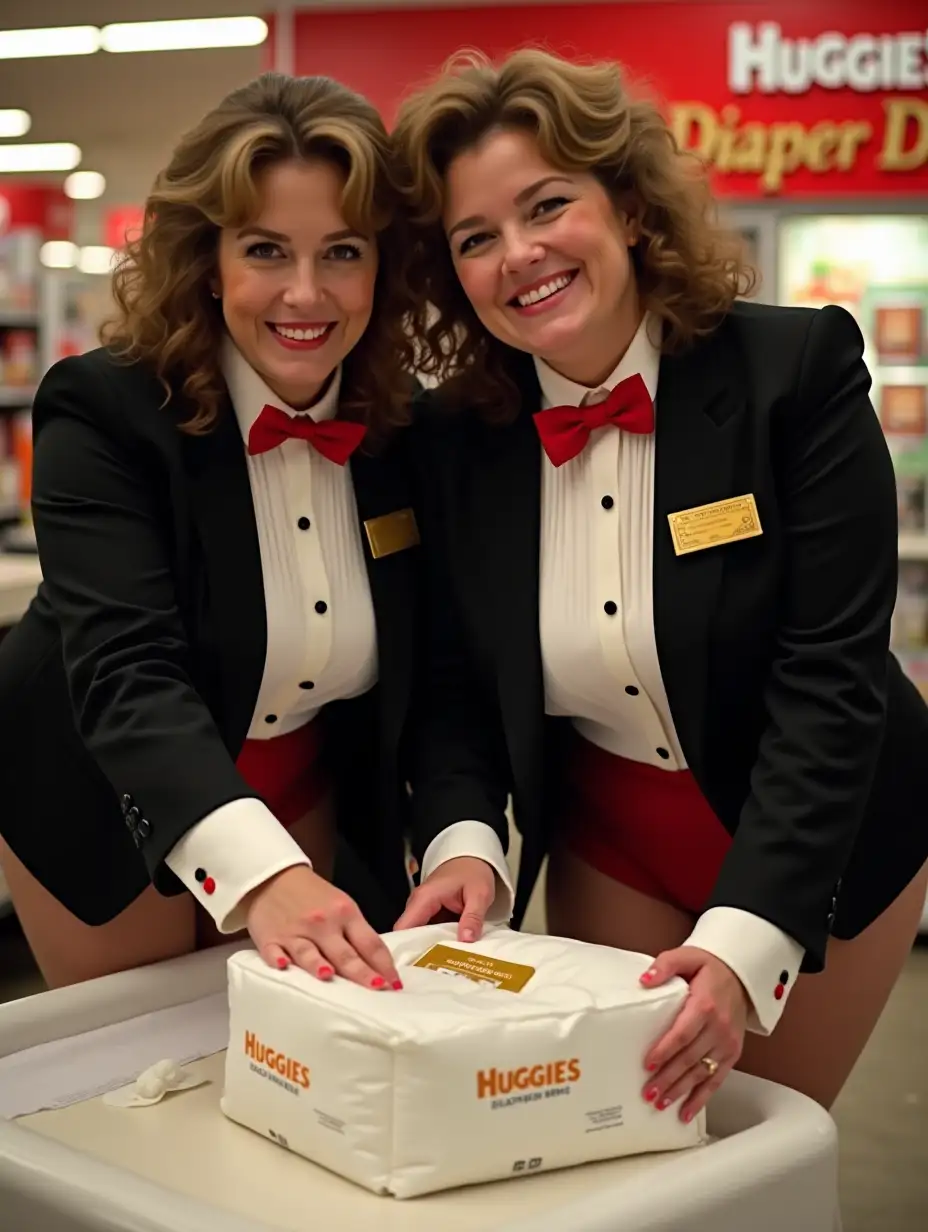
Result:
pixel 651 829
pixel 286 771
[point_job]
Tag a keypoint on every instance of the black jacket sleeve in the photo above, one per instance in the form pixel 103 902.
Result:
pixel 104 548
pixel 459 769
pixel 825 698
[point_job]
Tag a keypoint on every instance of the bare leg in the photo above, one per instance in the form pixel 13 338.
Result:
pixel 830 1017
pixel 589 906
pixel 68 951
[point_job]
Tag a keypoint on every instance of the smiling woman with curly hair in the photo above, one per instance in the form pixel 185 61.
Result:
pixel 663 563
pixel 199 667
pixel 688 268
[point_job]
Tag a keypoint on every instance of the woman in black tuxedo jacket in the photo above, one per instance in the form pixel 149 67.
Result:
pixel 214 677
pixel 664 566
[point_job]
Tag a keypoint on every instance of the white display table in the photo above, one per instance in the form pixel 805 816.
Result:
pixel 181 1166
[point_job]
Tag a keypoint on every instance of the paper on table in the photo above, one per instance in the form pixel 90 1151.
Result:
pixel 69 1071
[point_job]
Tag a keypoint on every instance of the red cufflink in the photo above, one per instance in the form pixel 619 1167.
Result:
pixel 208 884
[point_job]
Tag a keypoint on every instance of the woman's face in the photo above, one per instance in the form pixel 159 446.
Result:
pixel 542 255
pixel 297 283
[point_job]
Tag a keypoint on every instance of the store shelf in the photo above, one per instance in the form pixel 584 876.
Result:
pixel 16 396
pixel 18 318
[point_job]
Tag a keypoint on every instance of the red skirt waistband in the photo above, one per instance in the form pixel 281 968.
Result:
pixel 287 771
pixel 648 828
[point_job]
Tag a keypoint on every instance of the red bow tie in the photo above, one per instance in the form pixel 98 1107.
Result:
pixel 333 438
pixel 565 430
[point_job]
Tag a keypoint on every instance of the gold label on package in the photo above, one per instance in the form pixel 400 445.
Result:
pixel 707 526
pixel 392 532
pixel 506 976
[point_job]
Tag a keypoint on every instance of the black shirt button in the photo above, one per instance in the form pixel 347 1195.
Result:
pixel 784 977
pixel 664 754
pixel 307 684
pixel 200 874
pixel 610 608
pixel 321 607
pixel 303 523
pixel 607 502
pixel 631 690
pixel 270 718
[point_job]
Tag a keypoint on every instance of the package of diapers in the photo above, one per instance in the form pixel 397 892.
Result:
pixel 511 1056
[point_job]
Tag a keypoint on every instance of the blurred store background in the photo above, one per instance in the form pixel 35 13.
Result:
pixel 812 115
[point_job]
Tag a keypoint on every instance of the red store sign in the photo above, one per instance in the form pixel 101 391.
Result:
pixel 811 100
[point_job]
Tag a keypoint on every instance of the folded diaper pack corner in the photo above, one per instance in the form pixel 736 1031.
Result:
pixel 515 1055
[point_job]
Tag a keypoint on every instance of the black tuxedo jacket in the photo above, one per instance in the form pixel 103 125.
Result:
pixel 798 725
pixel 136 669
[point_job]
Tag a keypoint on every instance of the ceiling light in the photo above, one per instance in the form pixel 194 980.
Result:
pixel 42 156
pixel 184 35
pixel 84 185
pixel 59 254
pixel 96 259
pixel 52 41
pixel 14 123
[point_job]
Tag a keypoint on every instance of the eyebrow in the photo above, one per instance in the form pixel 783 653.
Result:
pixel 278 237
pixel 476 220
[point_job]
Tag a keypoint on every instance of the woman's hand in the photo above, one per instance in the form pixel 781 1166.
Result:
pixel 464 886
pixel 297 916
pixel 711 1024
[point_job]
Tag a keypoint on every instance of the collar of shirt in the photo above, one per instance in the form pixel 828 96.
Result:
pixel 642 356
pixel 250 394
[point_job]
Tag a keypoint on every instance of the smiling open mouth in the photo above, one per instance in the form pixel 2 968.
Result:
pixel 545 291
pixel 302 333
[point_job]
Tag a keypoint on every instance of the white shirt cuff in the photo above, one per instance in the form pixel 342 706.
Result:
pixel 763 957
pixel 235 848
pixel 474 838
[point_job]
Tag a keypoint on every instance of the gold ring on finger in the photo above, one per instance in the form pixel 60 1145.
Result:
pixel 711 1066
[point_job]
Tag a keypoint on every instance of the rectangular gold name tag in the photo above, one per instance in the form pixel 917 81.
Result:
pixel 706 526
pixel 506 976
pixel 392 532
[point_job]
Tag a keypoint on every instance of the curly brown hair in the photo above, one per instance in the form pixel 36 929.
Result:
pixel 165 312
pixel 689 268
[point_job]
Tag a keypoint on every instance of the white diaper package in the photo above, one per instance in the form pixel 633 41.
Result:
pixel 514 1055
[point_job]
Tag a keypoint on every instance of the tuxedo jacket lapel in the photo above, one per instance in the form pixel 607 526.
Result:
pixel 505 504
pixel 382 485
pixel 698 409
pixel 225 517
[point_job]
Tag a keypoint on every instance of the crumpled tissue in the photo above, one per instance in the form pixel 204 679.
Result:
pixel 152 1085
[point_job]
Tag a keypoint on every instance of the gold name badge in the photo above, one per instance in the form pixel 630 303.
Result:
pixel 706 526
pixel 392 532
pixel 506 976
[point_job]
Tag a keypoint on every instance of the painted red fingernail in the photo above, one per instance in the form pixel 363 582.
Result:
pixel 651 1094
pixel 687 1117
pixel 651 1068
pixel 378 981
pixel 664 1104
pixel 647 977
pixel 398 984
pixel 283 963
pixel 326 973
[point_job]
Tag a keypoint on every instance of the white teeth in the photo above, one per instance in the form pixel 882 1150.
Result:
pixel 546 291
pixel 299 335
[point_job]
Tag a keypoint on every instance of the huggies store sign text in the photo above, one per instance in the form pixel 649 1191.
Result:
pixel 797 98
pixel 762 60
